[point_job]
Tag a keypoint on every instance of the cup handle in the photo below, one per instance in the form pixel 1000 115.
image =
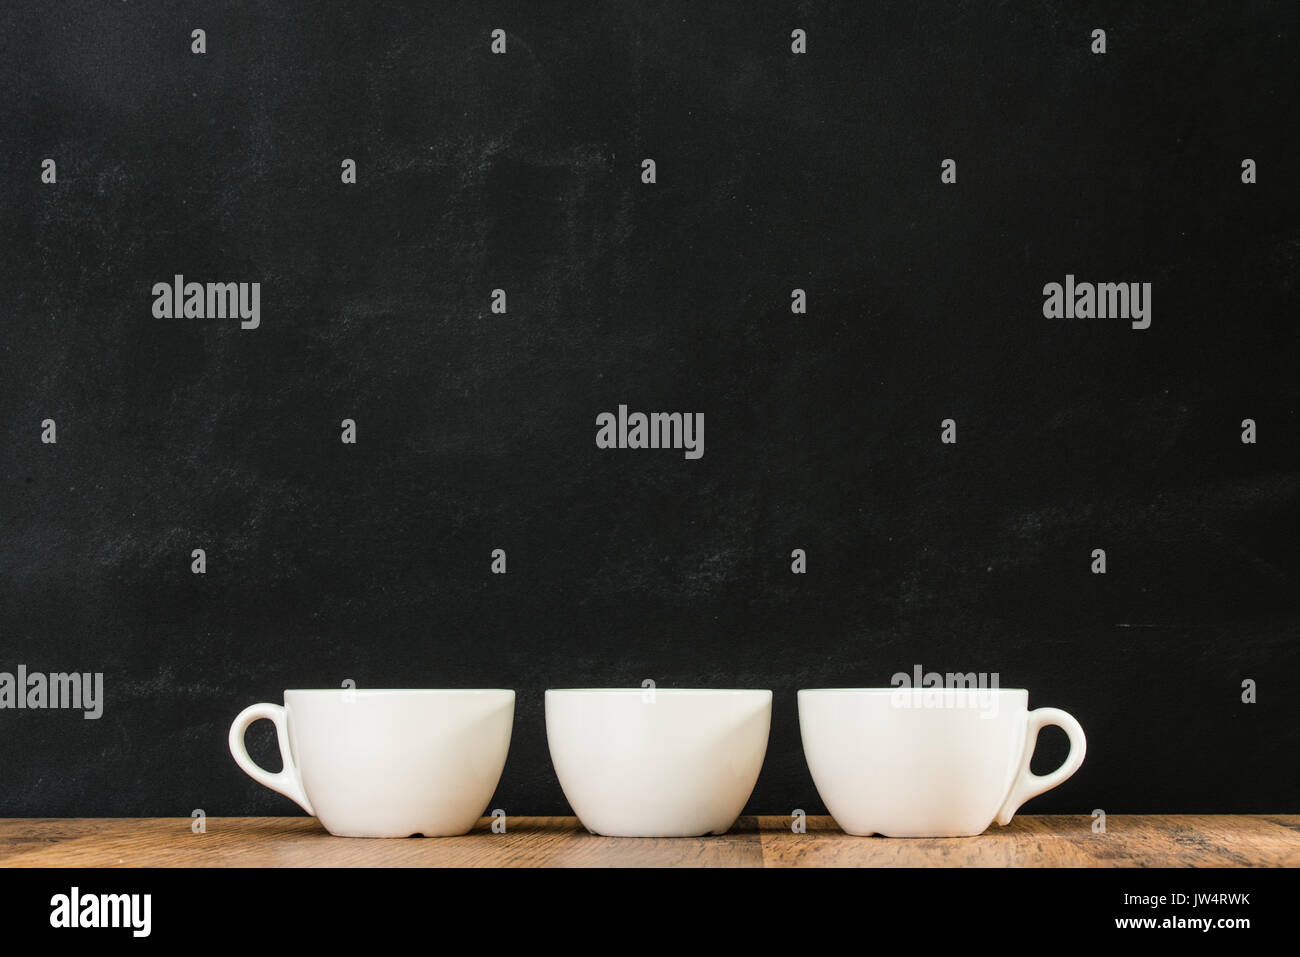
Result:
pixel 1028 784
pixel 287 781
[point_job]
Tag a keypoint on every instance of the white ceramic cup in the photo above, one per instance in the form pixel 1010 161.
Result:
pixel 927 762
pixel 657 762
pixel 386 763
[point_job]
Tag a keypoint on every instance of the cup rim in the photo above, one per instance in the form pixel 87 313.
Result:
pixel 896 690
pixel 398 691
pixel 676 692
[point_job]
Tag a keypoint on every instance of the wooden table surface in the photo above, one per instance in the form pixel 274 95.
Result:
pixel 1271 840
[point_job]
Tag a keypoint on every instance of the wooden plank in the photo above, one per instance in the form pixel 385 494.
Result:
pixel 302 842
pixel 1030 840
pixel 1052 841
pixel 1195 840
pixel 1038 841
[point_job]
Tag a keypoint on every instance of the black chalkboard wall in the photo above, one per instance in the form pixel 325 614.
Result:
pixel 476 430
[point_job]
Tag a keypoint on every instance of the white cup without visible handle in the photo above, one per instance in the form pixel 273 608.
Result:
pixel 385 763
pixel 658 763
pixel 927 762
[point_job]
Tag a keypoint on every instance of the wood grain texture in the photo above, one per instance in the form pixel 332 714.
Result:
pixel 1029 841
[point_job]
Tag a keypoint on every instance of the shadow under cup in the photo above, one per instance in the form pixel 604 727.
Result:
pixel 926 762
pixel 386 763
